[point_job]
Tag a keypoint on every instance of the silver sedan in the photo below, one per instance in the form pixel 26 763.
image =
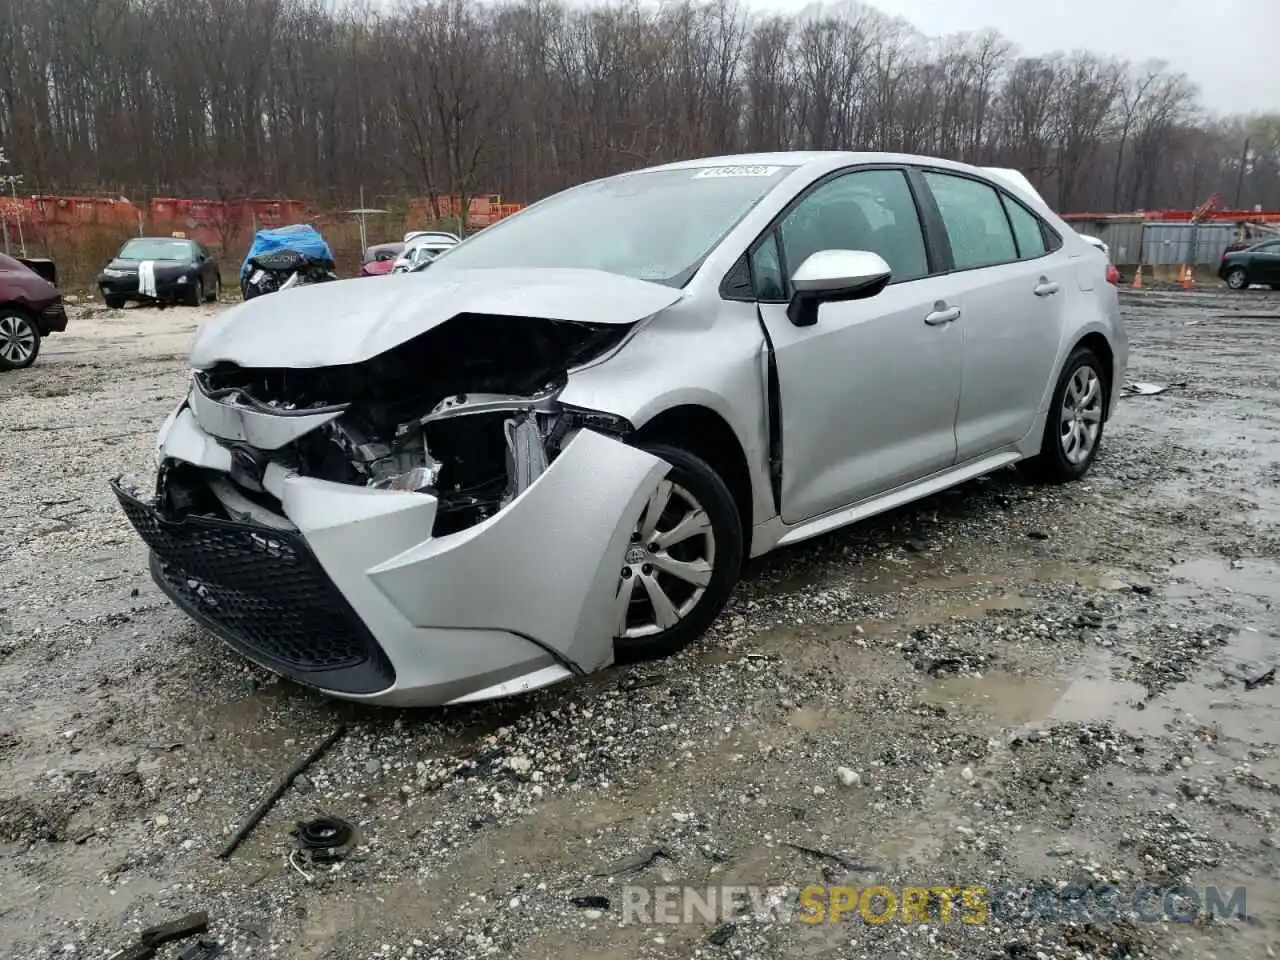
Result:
pixel 553 449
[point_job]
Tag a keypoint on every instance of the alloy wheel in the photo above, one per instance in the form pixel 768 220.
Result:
pixel 667 565
pixel 17 339
pixel 1081 420
pixel 1236 280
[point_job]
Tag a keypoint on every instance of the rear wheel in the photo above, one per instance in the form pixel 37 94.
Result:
pixel 19 339
pixel 1237 279
pixel 1073 429
pixel 115 303
pixel 681 563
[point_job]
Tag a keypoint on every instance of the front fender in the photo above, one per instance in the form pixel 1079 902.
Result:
pixel 545 567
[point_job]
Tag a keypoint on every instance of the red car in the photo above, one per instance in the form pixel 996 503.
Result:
pixel 379 259
pixel 30 309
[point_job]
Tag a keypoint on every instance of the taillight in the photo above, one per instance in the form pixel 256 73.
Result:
pixel 1113 275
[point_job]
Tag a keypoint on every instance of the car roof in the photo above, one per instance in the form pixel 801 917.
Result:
pixel 834 159
pixel 430 240
pixel 804 158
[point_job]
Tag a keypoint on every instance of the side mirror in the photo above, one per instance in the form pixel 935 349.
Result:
pixel 834 275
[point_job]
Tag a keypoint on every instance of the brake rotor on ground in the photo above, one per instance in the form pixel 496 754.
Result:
pixel 324 839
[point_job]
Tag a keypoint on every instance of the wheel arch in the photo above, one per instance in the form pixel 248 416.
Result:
pixel 1101 348
pixel 17 306
pixel 706 434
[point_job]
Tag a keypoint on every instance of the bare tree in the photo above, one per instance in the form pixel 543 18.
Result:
pixel 318 98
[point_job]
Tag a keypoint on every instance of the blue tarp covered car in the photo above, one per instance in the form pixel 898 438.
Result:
pixel 302 237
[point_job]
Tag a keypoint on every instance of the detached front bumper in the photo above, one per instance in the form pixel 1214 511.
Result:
pixel 348 591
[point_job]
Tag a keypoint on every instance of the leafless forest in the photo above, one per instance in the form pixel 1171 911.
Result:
pixel 311 100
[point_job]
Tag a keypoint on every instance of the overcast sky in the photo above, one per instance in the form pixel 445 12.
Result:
pixel 1228 47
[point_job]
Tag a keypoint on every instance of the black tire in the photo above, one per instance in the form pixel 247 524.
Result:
pixel 195 293
pixel 1051 465
pixel 115 303
pixel 19 325
pixel 1237 278
pixel 1275 286
pixel 706 487
pixel 214 295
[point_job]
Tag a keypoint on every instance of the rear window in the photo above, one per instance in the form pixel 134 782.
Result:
pixel 156 248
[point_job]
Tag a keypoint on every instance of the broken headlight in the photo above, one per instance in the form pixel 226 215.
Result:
pixel 414 480
pixel 572 419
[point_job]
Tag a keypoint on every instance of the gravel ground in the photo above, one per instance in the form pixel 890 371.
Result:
pixel 1003 685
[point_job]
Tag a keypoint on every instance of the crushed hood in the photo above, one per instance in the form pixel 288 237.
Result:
pixel 350 321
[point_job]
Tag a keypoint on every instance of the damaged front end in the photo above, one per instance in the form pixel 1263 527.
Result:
pixel 466 412
pixel 433 517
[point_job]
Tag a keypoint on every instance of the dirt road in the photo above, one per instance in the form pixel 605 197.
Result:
pixel 1004 687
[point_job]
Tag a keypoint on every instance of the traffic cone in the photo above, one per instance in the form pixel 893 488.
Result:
pixel 1187 280
pixel 1137 278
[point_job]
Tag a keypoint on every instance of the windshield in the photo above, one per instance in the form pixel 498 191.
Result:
pixel 155 248
pixel 657 225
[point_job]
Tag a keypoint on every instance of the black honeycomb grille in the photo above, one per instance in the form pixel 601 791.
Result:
pixel 264 592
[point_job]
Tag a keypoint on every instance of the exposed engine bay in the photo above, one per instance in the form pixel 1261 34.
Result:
pixel 466 412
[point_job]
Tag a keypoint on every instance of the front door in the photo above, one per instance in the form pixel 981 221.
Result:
pixel 869 392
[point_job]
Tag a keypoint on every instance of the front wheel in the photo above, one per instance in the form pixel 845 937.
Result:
pixel 1237 279
pixel 195 293
pixel 1073 429
pixel 216 294
pixel 19 340
pixel 681 563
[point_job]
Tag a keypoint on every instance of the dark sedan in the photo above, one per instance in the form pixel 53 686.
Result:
pixel 30 310
pixel 161 270
pixel 1257 264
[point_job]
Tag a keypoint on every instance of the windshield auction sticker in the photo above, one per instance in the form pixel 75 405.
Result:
pixel 749 171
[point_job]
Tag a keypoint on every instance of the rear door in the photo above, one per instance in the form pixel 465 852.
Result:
pixel 1011 280
pixel 1267 261
pixel 869 392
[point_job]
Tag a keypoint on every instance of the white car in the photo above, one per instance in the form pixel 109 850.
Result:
pixel 422 246
pixel 1098 243
pixel 554 449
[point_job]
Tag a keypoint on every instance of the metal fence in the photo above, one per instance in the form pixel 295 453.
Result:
pixel 1160 243
pixel 1171 244
pixel 1122 237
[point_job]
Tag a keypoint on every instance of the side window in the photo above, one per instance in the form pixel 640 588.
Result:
pixel 975 221
pixel 863 210
pixel 766 270
pixel 1026 230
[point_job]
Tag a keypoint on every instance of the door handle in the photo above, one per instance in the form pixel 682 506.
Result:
pixel 942 314
pixel 1046 287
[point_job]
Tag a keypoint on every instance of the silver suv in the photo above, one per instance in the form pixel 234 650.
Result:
pixel 553 450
